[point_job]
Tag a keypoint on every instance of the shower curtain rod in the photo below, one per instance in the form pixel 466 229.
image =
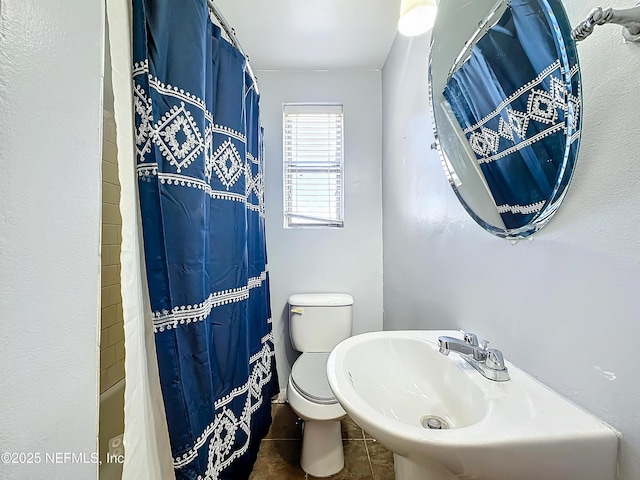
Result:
pixel 232 36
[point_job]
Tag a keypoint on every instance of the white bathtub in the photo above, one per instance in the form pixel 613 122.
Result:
pixel 111 428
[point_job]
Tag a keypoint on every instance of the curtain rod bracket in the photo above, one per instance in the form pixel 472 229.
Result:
pixel 629 18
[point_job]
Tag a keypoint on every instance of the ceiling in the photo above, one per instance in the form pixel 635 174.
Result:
pixel 313 34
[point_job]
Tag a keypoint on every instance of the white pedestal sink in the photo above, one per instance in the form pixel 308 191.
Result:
pixel 394 383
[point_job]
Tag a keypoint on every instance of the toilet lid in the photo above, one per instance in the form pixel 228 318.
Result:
pixel 309 378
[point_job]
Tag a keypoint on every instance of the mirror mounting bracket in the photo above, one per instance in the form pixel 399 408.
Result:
pixel 629 18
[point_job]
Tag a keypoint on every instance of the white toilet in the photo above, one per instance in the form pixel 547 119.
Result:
pixel 317 323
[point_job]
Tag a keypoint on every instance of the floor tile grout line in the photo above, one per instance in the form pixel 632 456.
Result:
pixel 345 439
pixel 366 447
pixel 281 439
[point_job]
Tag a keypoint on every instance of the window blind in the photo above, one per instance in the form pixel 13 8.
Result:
pixel 313 165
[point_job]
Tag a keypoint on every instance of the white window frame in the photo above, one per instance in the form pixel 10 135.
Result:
pixel 313 146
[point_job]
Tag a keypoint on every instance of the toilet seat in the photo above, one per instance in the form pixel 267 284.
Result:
pixel 309 378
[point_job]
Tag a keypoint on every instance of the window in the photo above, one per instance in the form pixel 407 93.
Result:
pixel 313 166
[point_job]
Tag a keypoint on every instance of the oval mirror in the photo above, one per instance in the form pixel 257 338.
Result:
pixel 505 95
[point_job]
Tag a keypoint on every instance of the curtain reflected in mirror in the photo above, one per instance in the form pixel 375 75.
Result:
pixel 506 108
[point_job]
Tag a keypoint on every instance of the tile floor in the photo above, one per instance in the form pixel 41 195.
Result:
pixel 279 456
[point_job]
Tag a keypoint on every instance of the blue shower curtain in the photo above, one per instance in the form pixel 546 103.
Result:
pixel 517 100
pixel 199 163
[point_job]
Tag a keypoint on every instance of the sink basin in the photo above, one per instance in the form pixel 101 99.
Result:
pixel 443 420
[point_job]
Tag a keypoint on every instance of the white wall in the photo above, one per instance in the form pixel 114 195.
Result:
pixel 565 307
pixel 50 140
pixel 326 260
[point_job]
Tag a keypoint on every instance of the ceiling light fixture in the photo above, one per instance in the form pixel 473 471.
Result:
pixel 416 16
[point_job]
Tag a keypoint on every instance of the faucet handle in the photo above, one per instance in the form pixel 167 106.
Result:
pixel 471 338
pixel 495 359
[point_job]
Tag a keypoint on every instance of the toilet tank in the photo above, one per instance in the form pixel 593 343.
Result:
pixel 319 321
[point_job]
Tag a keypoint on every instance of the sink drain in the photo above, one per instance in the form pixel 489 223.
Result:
pixel 434 422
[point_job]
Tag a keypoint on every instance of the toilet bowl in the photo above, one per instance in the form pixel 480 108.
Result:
pixel 311 399
pixel 318 322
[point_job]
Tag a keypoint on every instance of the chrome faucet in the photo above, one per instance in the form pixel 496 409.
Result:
pixel 488 361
